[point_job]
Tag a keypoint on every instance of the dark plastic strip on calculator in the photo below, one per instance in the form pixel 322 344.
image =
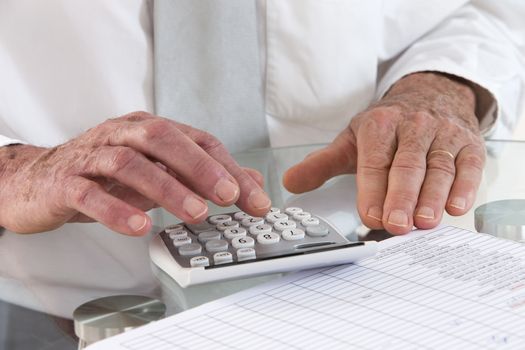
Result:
pixel 312 251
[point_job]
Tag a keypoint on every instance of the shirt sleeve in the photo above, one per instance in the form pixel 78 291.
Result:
pixel 479 42
pixel 6 141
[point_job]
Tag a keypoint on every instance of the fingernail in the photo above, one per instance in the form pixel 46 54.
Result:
pixel 258 199
pixel 425 213
pixel 398 218
pixel 137 222
pixel 194 207
pixel 375 213
pixel 226 190
pixel 458 202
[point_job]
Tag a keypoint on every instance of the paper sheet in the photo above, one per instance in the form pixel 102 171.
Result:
pixel 441 289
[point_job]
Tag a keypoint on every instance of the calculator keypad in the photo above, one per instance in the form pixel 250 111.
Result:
pixel 239 237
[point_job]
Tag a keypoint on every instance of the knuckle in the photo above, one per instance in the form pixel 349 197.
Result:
pixel 203 166
pixel 138 116
pixel 472 160
pixel 380 121
pixel 443 164
pixel 409 161
pixel 121 158
pixel 209 142
pixel 79 194
pixel 156 129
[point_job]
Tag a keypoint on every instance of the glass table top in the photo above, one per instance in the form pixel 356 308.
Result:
pixel 45 276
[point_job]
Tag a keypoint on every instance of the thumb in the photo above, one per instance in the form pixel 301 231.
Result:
pixel 335 159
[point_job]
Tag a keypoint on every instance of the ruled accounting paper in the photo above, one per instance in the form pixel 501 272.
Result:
pixel 442 289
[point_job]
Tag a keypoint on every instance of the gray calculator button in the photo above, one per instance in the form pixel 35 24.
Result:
pixel 243 242
pixel 283 225
pixel 274 217
pixel 232 233
pixel 245 254
pixel 310 222
pixel 293 234
pixel 268 238
pixel 178 234
pixel 190 249
pixel 252 221
pixel 301 216
pixel 198 261
pixel 228 224
pixel 177 242
pixel 257 229
pixel 317 231
pixel 200 227
pixel 275 210
pixel 209 235
pixel 222 258
pixel 215 219
pixel 292 210
pixel 173 228
pixel 240 215
pixel 216 245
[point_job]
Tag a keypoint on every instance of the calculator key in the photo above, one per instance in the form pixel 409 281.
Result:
pixel 222 258
pixel 252 221
pixel 274 217
pixel 283 225
pixel 215 219
pixel 317 231
pixel 200 227
pixel 257 229
pixel 209 235
pixel 177 234
pixel 301 216
pixel 216 245
pixel 243 242
pixel 293 234
pixel 190 249
pixel 173 228
pixel 245 254
pixel 240 215
pixel 292 210
pixel 177 242
pixel 268 238
pixel 274 210
pixel 198 261
pixel 310 222
pixel 232 233
pixel 222 226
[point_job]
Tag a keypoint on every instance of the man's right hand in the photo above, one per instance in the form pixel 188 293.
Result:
pixel 117 170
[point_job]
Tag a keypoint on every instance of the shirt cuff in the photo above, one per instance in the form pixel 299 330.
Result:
pixel 6 141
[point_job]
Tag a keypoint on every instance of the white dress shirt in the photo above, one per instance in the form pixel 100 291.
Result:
pixel 68 65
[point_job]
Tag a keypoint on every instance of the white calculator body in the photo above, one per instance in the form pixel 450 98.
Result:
pixel 236 245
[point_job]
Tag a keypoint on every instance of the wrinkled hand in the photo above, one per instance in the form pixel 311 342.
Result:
pixel 416 153
pixel 117 170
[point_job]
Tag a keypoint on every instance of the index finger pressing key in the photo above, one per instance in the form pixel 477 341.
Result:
pixel 160 139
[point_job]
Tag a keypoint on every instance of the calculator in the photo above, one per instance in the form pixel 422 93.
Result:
pixel 236 245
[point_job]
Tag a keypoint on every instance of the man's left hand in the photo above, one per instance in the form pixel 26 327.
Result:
pixel 416 152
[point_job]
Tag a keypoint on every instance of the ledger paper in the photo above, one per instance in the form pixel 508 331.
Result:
pixel 447 288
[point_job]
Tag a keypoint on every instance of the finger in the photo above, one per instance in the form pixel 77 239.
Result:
pixel 469 169
pixel 252 198
pixel 161 140
pixel 133 198
pixel 90 199
pixel 376 144
pixel 256 175
pixel 335 159
pixel 407 173
pixel 135 171
pixel 436 186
